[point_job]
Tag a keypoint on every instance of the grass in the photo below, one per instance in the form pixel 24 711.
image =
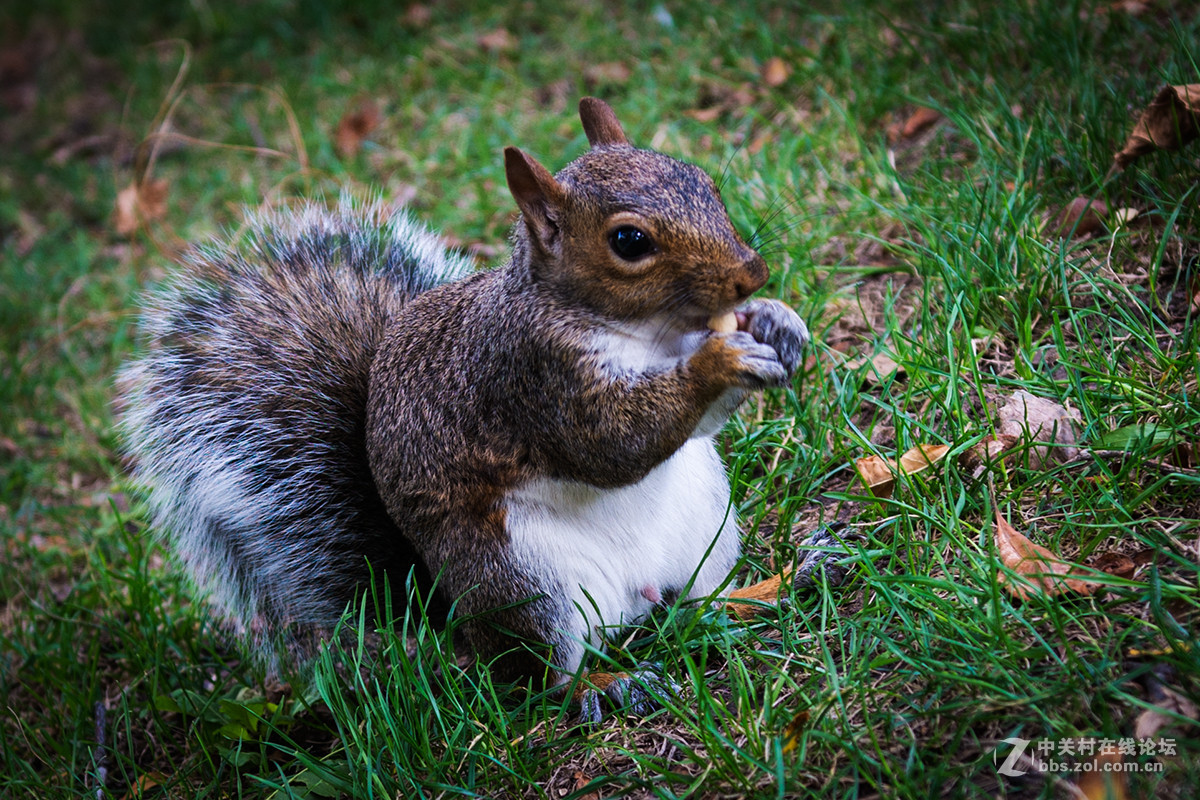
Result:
pixel 933 248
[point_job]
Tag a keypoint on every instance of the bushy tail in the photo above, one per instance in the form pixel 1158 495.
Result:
pixel 245 414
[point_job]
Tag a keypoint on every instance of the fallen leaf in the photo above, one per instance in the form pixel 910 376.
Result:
pixel 1117 564
pixel 1082 217
pixel 355 125
pixel 139 203
pixel 1123 216
pixel 607 72
pixel 879 474
pixel 417 16
pixel 775 72
pixel 497 41
pixel 759 142
pixel 984 452
pixel 883 368
pixel 1037 569
pixel 791 733
pixel 1182 648
pixel 1168 123
pixel 703 114
pixel 143 784
pixel 922 457
pixel 581 782
pixel 1169 706
pixel 917 122
pixel 1041 423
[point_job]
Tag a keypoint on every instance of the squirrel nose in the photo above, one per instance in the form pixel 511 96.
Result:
pixel 753 276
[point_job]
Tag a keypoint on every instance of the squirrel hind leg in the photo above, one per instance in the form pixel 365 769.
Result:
pixel 639 692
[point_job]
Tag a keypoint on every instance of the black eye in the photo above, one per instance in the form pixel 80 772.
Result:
pixel 630 243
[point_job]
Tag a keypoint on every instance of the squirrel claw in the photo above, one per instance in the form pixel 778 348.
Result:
pixel 774 324
pixel 823 549
pixel 759 363
pixel 638 692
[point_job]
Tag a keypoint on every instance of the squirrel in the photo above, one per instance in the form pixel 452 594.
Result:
pixel 339 398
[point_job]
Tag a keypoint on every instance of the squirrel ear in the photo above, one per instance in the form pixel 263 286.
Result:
pixel 538 195
pixel 600 123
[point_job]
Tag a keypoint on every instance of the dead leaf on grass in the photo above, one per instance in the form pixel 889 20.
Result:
pixel 1170 705
pixel 775 72
pixel 921 120
pixel 581 782
pixel 986 452
pixel 497 41
pixel 879 474
pixel 1045 424
pixel 139 203
pixel 1038 570
pixel 1170 121
pixel 883 368
pixel 791 733
pixel 417 16
pixel 355 125
pixel 607 72
pixel 1082 217
pixel 703 114
pixel 1117 564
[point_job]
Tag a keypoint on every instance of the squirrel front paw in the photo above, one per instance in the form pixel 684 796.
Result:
pixel 745 361
pixel 774 324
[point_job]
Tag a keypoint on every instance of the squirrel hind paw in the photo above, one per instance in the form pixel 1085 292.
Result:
pixel 825 551
pixel 639 692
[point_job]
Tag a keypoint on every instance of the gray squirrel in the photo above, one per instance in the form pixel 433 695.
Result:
pixel 339 398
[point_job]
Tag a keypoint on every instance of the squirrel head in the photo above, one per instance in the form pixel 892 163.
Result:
pixel 630 233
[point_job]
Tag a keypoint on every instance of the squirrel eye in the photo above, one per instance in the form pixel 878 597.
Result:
pixel 630 243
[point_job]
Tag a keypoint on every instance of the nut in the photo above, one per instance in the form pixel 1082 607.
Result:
pixel 723 323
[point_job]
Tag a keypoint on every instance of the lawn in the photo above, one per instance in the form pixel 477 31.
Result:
pixel 908 170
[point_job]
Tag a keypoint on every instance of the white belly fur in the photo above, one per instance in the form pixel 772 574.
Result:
pixel 607 547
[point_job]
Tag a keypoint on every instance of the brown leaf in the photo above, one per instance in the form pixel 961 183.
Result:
pixel 986 452
pixel 759 142
pixel 703 114
pixel 355 125
pixel 139 203
pixel 918 122
pixel 582 780
pixel 879 474
pixel 1168 123
pixel 775 72
pixel 883 367
pixel 497 41
pixel 1082 217
pixel 1033 420
pixel 417 16
pixel 1037 569
pixel 1169 703
pixel 607 72
pixel 922 457
pixel 1117 564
